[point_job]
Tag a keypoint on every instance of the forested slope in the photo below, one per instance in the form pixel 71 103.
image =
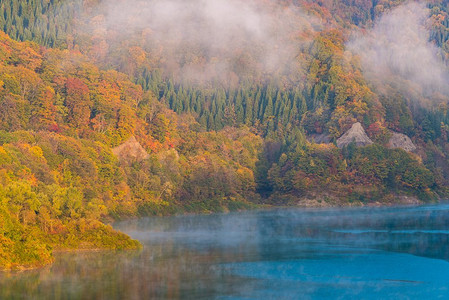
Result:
pixel 230 118
pixel 61 116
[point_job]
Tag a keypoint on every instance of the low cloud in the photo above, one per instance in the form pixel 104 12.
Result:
pixel 397 53
pixel 198 40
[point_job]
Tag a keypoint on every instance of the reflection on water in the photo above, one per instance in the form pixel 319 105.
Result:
pixel 387 253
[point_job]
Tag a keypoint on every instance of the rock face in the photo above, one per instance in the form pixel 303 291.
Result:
pixel 131 149
pixel 399 140
pixel 356 134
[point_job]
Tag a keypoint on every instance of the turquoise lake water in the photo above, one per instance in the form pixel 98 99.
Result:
pixel 353 253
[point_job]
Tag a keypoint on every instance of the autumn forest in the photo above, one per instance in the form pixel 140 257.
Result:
pixel 112 110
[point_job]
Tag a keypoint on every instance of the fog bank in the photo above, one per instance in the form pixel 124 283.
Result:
pixel 198 40
pixel 397 52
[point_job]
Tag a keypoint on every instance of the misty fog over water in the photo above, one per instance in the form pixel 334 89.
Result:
pixel 352 253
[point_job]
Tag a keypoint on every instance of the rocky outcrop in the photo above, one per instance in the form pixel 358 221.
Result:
pixel 131 149
pixel 356 134
pixel 399 140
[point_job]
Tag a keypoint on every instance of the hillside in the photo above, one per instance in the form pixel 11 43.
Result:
pixel 108 114
pixel 60 119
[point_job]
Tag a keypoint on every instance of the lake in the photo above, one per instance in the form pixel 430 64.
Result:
pixel 351 253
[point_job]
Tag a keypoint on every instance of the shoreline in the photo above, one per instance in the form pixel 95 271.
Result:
pixel 304 203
